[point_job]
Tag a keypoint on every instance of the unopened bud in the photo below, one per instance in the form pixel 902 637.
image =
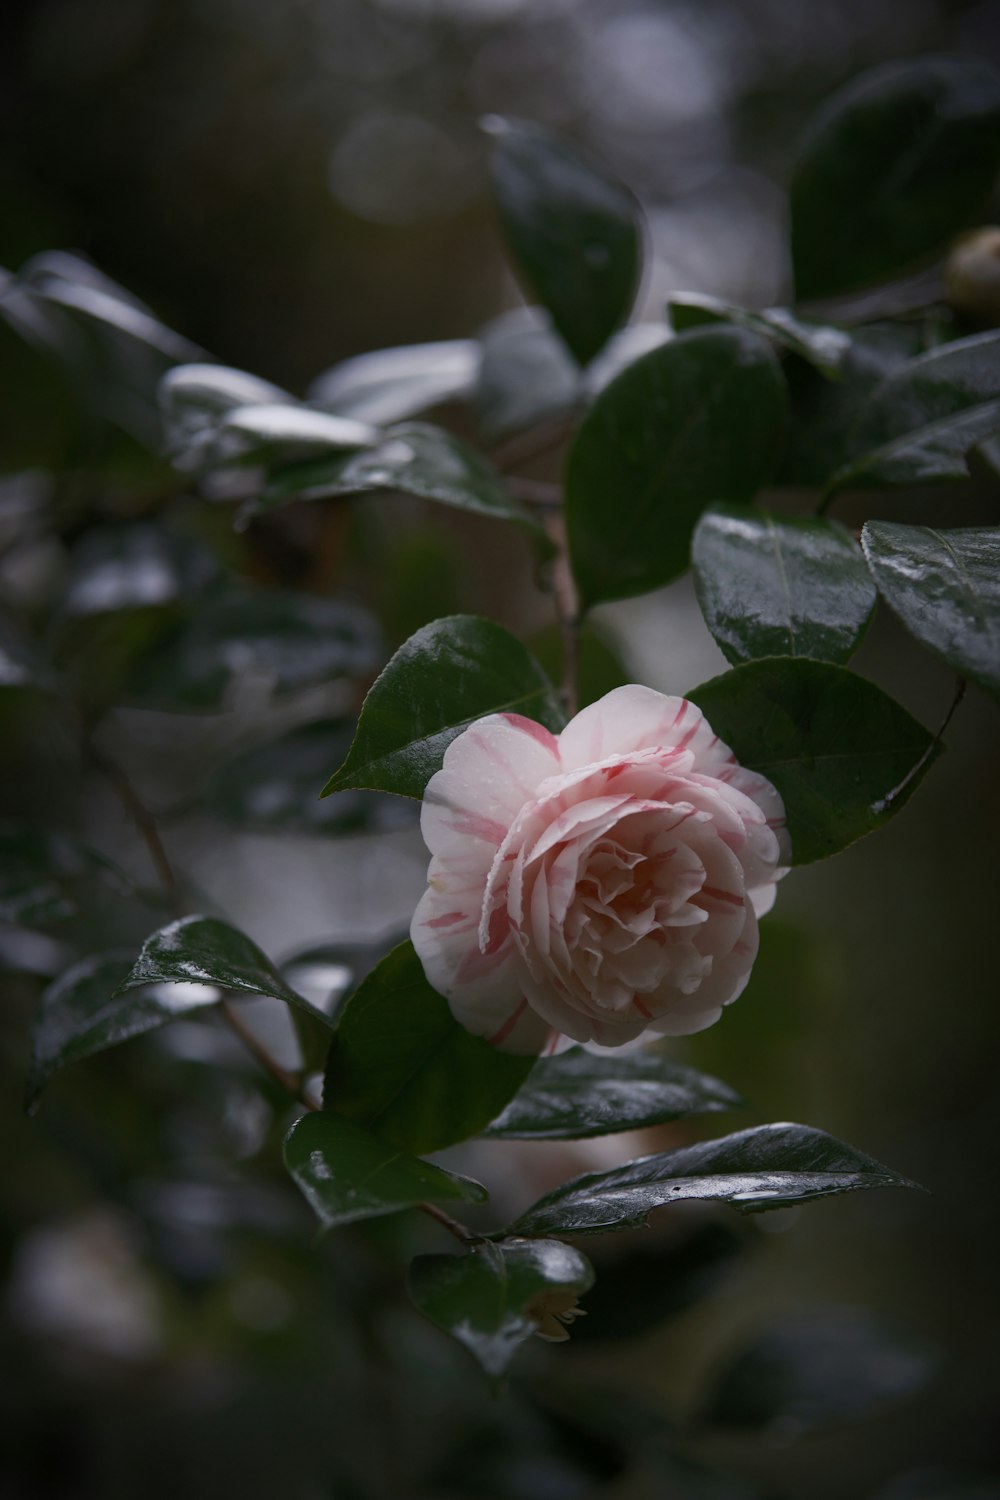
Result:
pixel 972 276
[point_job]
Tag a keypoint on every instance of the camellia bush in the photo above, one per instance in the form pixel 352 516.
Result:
pixel 601 857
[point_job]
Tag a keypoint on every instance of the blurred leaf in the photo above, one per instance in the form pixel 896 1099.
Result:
pixel 286 640
pixel 71 281
pixel 204 950
pixel 894 164
pixel 83 1013
pixel 780 585
pixel 945 587
pixel 193 400
pixel 42 874
pixel 412 458
pixel 280 431
pixel 843 754
pixel 494 1299
pixel 827 1366
pixel 599 668
pixel 646 1285
pixel 400 1063
pixel 573 230
pixel 276 786
pixel 140 565
pixel 769 1166
pixel 920 423
pixel 820 344
pixel 327 976
pixel 346 1174
pixel 940 1484
pixel 578 1094
pixel 525 375
pixel 449 674
pixel 621 350
pixel 22 664
pixel 389 385
pixel 695 422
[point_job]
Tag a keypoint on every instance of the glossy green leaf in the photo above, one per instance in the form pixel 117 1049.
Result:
pixel 279 639
pixel 440 681
pixel 327 975
pixel 43 874
pixel 894 164
pixel 695 422
pixel 843 754
pixel 346 1174
pixel 780 585
pixel 920 423
pixel 205 950
pixel 390 385
pixel 82 1013
pixel 579 1093
pixel 401 1064
pixel 769 1166
pixel 820 344
pixel 573 230
pixel 820 1367
pixel 945 587
pixel 525 375
pixel 412 458
pixel 276 786
pixel 500 1295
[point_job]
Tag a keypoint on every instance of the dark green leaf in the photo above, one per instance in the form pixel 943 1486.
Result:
pixel 500 1295
pixel 769 1166
pixel 401 1064
pixel 780 585
pixel 920 423
pixel 819 343
pixel 346 1174
pixel 327 975
pixel 83 1013
pixel 843 754
pixel 832 1365
pixel 622 350
pixel 580 1093
pixel 895 163
pixel 43 874
pixel 442 679
pixel 277 786
pixel 204 950
pixel 573 231
pixel 412 458
pixel 282 640
pixel 525 375
pixel 130 567
pixel 697 421
pixel 945 587
pixel 389 385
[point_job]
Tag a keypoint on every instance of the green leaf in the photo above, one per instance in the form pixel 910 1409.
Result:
pixel 697 421
pixel 22 665
pixel 843 754
pixel 193 400
pixel 769 1166
pixel 780 585
pixel 401 1064
pixel 442 679
pixel 328 975
pixel 82 1013
pixel 205 950
pixel 412 458
pixel 140 565
pixel 281 639
pixel 894 164
pixel 920 423
pixel 820 344
pixel 820 1367
pixel 525 375
pixel 275 786
pixel 579 1093
pixel 346 1174
pixel 573 230
pixel 389 385
pixel 43 874
pixel 945 587
pixel 494 1299
pixel 279 430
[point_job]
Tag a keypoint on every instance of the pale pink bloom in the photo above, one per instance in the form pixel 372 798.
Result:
pixel 599 883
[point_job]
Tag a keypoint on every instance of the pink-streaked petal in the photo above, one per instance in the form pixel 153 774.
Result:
pixel 629 719
pixel 490 771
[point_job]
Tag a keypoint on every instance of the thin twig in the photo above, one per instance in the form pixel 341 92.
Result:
pixel 252 1042
pixel 144 821
pixel 931 751
pixel 533 442
pixel 535 492
pixel 567 604
pixel 460 1231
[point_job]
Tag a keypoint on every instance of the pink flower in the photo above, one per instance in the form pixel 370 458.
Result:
pixel 599 883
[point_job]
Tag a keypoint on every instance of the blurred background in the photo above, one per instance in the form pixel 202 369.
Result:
pixel 286 186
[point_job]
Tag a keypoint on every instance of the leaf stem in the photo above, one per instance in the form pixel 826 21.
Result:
pixel 252 1042
pixel 533 442
pixel 567 602
pixel 461 1231
pixel 932 749
pixel 144 821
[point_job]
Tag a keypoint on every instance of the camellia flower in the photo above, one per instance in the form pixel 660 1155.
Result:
pixel 599 883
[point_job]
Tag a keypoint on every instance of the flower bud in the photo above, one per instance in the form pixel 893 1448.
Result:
pixel 972 276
